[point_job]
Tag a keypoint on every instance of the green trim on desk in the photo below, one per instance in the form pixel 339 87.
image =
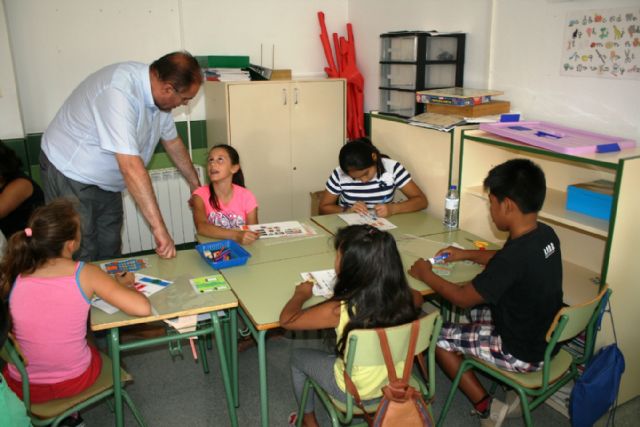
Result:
pixel 534 150
pixel 612 224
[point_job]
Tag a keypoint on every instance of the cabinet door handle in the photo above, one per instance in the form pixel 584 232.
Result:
pixel 295 96
pixel 284 97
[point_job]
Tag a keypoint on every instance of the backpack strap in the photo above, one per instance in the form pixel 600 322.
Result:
pixel 386 352
pixel 351 388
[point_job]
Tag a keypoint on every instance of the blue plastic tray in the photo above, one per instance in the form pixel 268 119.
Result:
pixel 239 256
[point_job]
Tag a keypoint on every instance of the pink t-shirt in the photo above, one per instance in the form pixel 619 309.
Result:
pixel 50 324
pixel 233 214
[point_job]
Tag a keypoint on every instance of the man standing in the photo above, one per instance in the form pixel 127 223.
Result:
pixel 104 135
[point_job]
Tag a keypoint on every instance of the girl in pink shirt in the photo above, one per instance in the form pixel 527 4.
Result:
pixel 49 302
pixel 223 208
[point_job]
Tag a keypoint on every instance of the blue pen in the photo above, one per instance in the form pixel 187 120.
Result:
pixel 440 257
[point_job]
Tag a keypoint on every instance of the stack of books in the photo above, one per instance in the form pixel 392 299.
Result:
pixel 226 74
pixel 463 102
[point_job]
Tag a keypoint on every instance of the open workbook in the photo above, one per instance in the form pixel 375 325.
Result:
pixel 146 284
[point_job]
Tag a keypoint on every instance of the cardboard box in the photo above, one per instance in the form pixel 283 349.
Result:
pixel 487 109
pixel 591 198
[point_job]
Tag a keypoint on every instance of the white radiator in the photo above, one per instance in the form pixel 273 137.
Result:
pixel 172 193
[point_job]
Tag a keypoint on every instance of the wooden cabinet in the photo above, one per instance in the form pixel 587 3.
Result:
pixel 430 156
pixel 593 250
pixel 288 134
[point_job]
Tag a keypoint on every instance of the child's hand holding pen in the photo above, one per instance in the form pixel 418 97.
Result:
pixel 247 237
pixel 384 210
pixel 449 254
pixel 125 278
pixel 304 290
pixel 359 207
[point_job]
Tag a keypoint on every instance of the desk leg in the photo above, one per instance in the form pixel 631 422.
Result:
pixel 262 366
pixel 233 314
pixel 260 337
pixel 114 351
pixel 224 367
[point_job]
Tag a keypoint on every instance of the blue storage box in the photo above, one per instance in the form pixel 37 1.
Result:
pixel 209 251
pixel 591 198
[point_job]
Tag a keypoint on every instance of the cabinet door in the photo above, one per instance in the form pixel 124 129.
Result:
pixel 260 131
pixel 317 134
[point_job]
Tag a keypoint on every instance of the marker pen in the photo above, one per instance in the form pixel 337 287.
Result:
pixel 440 257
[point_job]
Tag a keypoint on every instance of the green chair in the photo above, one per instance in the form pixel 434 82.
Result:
pixel 54 411
pixel 363 349
pixel 535 387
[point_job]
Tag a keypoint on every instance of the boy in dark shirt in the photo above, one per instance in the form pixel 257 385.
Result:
pixel 514 300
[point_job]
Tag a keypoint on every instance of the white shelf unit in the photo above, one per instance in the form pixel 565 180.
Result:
pixel 430 156
pixel 592 249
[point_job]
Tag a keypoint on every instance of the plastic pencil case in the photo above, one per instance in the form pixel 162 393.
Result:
pixel 238 255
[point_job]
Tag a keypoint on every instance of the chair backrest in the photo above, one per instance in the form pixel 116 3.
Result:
pixel 10 354
pixel 577 318
pixel 366 344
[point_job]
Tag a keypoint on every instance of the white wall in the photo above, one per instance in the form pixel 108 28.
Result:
pixel 10 120
pixel 512 45
pixel 57 43
pixel 526 64
pixel 370 18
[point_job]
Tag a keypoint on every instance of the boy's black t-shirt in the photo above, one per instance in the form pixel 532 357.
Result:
pixel 522 284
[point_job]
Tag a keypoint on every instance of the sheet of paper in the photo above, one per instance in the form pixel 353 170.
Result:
pixel 323 282
pixel 281 229
pixel 369 219
pixel 211 283
pixel 147 285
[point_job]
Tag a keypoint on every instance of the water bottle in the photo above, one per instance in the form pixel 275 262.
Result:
pixel 451 205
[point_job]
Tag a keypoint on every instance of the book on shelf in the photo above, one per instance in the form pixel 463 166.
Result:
pixel 456 96
pixel 436 121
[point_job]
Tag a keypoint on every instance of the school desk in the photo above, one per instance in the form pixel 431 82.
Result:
pixel 408 224
pixel 263 288
pixel 178 299
pixel 273 249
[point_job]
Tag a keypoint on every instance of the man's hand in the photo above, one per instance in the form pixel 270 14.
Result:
pixel 421 269
pixel 165 248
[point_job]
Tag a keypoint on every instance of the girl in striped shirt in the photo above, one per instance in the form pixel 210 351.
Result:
pixel 367 180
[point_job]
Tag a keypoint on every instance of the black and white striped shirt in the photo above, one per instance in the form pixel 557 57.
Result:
pixel 375 192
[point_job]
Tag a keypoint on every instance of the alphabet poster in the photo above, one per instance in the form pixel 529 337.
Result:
pixel 602 43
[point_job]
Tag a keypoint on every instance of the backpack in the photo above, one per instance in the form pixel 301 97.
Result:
pixel 401 404
pixel 596 390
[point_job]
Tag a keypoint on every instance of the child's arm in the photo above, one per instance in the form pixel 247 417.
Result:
pixel 418 300
pixel 204 228
pixel 416 200
pixel 329 204
pixel 321 316
pixel 252 217
pixel 457 254
pixel 463 295
pixel 120 295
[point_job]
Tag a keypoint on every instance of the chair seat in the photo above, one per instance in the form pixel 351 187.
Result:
pixel 53 408
pixel 371 408
pixel 559 366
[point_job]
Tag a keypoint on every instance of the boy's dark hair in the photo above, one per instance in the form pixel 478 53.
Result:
pixel 10 163
pixel 357 154
pixel 521 180
pixel 180 69
pixel 237 178
pixel 51 227
pixel 371 281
